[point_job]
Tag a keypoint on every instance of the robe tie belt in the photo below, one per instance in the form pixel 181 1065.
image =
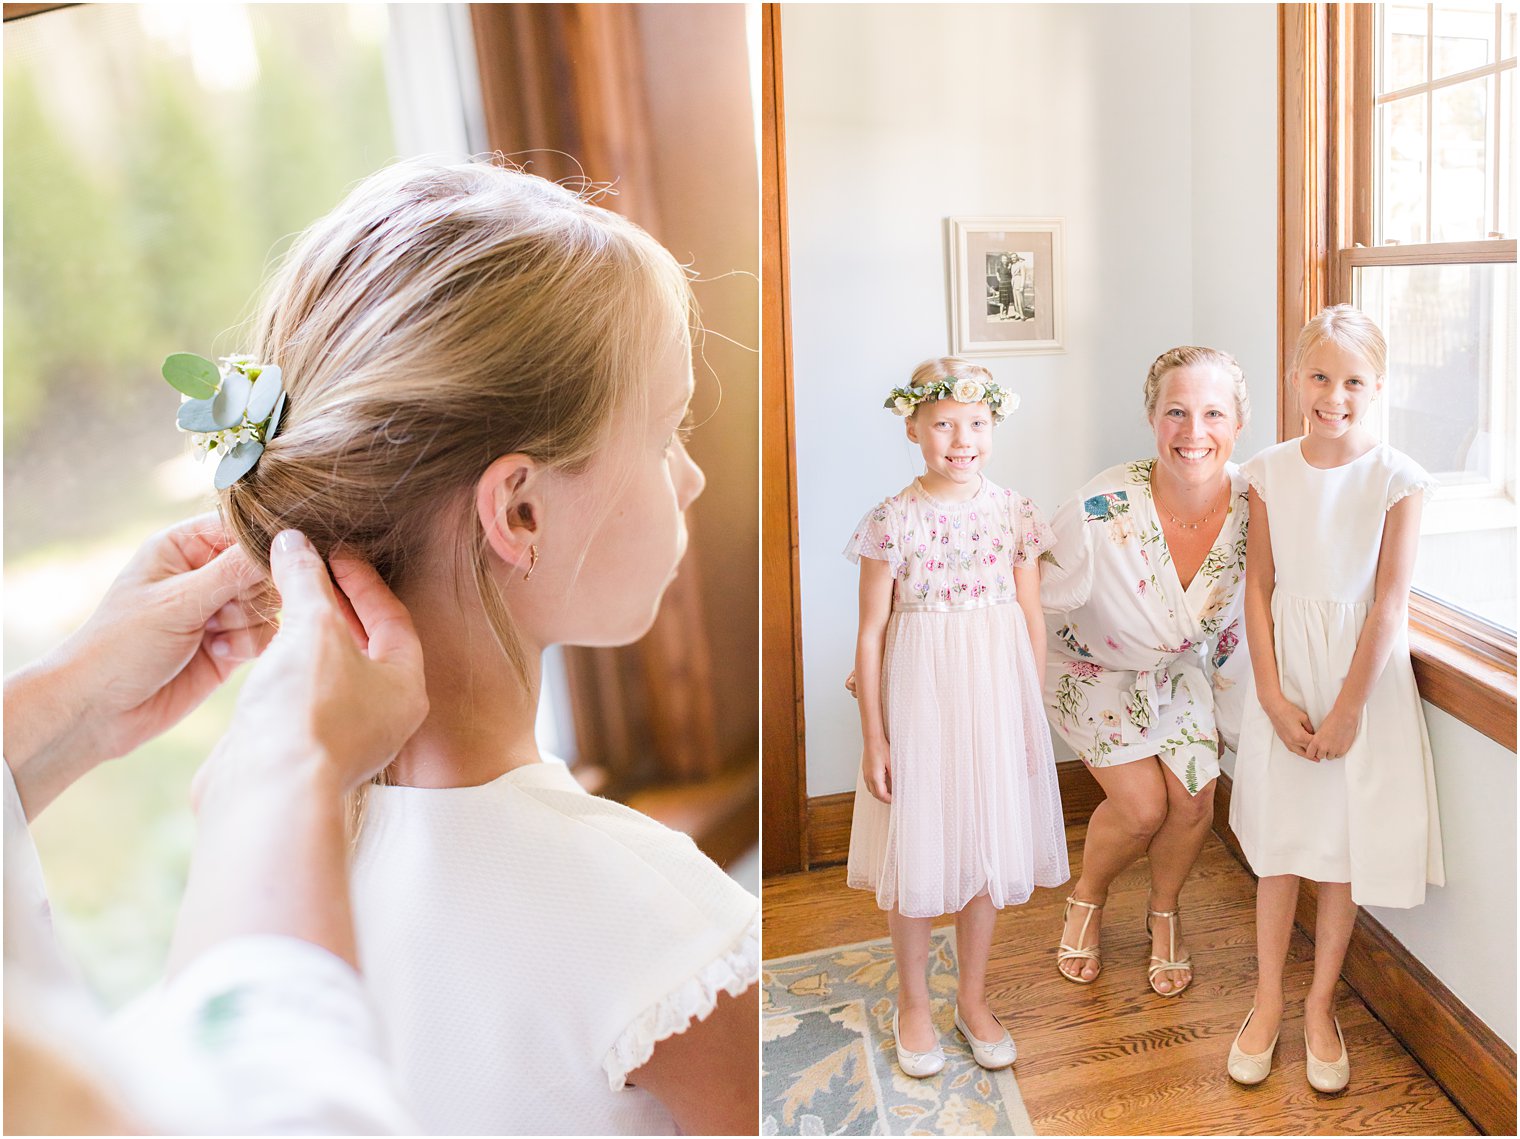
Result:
pixel 1153 691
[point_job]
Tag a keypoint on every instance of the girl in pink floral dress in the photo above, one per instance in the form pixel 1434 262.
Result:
pixel 956 810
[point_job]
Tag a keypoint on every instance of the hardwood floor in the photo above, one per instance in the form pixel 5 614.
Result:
pixel 1112 1058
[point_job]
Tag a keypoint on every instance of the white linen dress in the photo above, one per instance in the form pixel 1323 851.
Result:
pixel 975 807
pixel 1369 817
pixel 1139 666
pixel 527 944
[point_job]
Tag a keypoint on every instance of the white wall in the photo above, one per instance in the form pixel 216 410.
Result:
pixel 1465 931
pixel 1150 129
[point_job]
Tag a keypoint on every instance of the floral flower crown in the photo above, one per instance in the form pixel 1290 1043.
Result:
pixel 999 400
pixel 231 411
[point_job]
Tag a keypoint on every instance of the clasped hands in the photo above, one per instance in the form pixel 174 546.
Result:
pixel 1331 740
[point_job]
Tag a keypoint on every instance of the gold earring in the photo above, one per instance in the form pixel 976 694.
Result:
pixel 532 561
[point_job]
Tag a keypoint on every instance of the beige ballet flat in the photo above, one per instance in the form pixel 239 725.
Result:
pixel 1158 965
pixel 1245 1067
pixel 992 1056
pixel 1093 953
pixel 1327 1077
pixel 919 1065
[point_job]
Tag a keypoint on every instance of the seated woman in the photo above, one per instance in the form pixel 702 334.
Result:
pixel 1146 582
pixel 486 377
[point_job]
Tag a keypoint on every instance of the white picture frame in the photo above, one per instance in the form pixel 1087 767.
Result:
pixel 1007 286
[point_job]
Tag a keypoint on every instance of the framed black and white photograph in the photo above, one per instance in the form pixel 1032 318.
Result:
pixel 1005 286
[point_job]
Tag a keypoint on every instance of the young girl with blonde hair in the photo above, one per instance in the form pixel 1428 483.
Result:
pixel 956 807
pixel 486 377
pixel 1334 780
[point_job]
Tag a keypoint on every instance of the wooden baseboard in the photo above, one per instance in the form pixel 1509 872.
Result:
pixel 828 818
pixel 1462 1054
pixel 828 829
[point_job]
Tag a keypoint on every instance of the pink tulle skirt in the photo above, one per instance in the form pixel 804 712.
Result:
pixel 975 806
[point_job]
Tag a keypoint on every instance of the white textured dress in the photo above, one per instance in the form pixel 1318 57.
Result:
pixel 527 944
pixel 1139 666
pixel 975 807
pixel 1368 818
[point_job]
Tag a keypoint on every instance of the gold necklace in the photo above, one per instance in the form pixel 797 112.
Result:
pixel 1213 510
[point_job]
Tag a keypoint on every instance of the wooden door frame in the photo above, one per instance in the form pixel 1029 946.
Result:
pixel 784 767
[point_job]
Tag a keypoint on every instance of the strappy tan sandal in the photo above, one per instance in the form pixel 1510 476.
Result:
pixel 1093 953
pixel 1158 965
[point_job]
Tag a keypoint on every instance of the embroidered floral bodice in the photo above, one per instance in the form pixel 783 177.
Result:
pixel 948 556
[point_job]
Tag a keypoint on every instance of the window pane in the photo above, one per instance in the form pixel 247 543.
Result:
pixel 156 157
pixel 1464 37
pixel 1450 403
pixel 1459 184
pixel 1402 185
pixel 1403 46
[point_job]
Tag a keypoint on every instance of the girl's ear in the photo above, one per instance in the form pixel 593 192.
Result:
pixel 912 427
pixel 511 509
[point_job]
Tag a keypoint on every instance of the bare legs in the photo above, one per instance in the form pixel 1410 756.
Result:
pixel 1146 808
pixel 1333 920
pixel 910 946
pixel 1276 899
pixel 1173 852
pixel 974 927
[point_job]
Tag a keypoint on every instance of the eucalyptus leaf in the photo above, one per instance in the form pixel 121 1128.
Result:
pixel 266 391
pixel 230 403
pixel 195 376
pixel 238 463
pixel 197 415
pixel 274 418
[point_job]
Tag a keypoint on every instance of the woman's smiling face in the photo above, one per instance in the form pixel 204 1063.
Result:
pixel 1196 422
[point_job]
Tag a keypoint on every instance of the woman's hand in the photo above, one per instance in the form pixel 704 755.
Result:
pixel 185 612
pixel 1337 732
pixel 330 703
pixel 342 682
pixel 1292 726
pixel 876 765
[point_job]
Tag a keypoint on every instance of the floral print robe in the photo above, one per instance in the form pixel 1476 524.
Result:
pixel 1138 666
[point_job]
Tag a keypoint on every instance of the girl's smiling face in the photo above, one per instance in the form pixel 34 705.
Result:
pixel 618 534
pixel 956 440
pixel 1336 386
pixel 1196 422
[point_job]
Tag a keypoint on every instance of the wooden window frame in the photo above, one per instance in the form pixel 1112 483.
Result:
pixel 1463 665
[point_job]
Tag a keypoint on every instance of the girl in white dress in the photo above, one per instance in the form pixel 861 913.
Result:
pixel 486 378
pixel 1334 780
pixel 956 807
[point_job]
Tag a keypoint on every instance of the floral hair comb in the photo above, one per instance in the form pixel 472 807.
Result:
pixel 231 411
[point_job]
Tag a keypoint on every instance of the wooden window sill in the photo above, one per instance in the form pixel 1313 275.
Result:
pixel 1477 691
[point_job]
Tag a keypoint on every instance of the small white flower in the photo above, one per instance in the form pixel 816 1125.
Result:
pixel 968 391
pixel 902 406
pixel 1010 402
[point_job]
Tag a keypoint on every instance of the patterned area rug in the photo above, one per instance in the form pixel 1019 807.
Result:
pixel 828 1063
